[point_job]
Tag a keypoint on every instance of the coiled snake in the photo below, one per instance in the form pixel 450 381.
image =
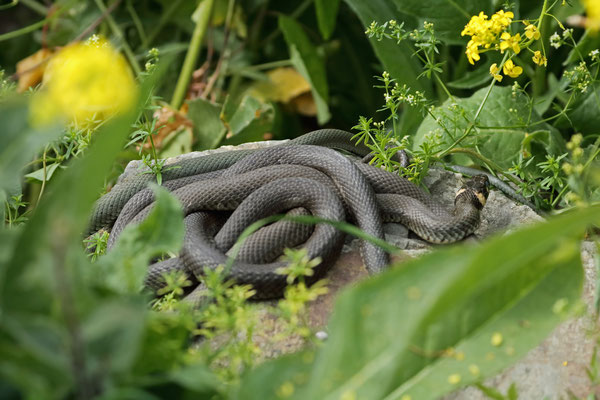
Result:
pixel 223 193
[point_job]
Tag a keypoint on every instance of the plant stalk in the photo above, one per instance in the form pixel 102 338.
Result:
pixel 202 13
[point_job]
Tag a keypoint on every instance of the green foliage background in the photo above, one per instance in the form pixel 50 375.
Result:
pixel 70 328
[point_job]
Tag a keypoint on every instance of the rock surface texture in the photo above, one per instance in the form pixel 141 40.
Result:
pixel 556 369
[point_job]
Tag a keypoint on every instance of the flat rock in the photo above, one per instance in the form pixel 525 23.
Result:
pixel 555 369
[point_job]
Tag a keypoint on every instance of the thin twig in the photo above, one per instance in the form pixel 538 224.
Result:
pixel 215 74
pixel 44 177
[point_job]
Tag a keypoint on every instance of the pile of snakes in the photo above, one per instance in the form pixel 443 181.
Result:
pixel 223 193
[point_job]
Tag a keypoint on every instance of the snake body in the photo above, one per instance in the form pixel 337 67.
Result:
pixel 223 193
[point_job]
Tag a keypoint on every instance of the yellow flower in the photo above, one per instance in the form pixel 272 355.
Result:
pixel 494 72
pixel 511 69
pixel 592 9
pixel 485 32
pixel 475 25
pixel 472 52
pixel 84 82
pixel 501 20
pixel 531 32
pixel 510 42
pixel 539 59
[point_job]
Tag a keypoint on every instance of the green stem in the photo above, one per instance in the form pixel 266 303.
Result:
pixel 270 65
pixel 203 15
pixel 119 33
pixel 44 177
pixel 562 192
pixel 485 160
pixel 35 6
pixel 472 124
pixel 27 29
pixel 443 86
pixel 136 21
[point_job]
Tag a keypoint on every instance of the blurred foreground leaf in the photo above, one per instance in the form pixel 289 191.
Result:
pixel 451 318
pixel 124 267
pixel 19 142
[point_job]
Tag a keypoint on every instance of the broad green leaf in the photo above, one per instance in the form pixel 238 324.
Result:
pixel 250 121
pixel 585 114
pixel 502 109
pixel 391 336
pixel 124 267
pixel 326 16
pixel 449 17
pixel 38 175
pixel 477 77
pixel 247 111
pixel 309 63
pixel 177 143
pixel 208 128
pixel 397 59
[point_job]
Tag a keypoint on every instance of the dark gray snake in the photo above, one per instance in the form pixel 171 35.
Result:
pixel 223 193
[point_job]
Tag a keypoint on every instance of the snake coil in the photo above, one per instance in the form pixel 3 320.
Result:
pixel 223 193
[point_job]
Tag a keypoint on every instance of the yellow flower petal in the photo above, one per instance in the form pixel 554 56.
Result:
pixel 85 82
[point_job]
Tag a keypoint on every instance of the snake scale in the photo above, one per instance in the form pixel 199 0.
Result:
pixel 223 193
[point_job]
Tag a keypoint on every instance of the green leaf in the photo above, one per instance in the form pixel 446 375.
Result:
pixel 309 64
pixel 177 143
pixel 401 324
pixel 501 109
pixel 245 113
pixel 449 17
pixel 477 77
pixel 249 122
pixel 397 59
pixel 19 141
pixel 123 269
pixel 326 16
pixel 38 175
pixel 208 128
pixel 585 115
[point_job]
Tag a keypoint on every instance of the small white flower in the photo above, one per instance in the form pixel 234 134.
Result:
pixel 555 40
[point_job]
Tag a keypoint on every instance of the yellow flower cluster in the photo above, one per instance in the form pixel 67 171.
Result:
pixel 84 82
pixel 485 32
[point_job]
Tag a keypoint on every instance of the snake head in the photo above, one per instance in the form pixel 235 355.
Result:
pixel 475 190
